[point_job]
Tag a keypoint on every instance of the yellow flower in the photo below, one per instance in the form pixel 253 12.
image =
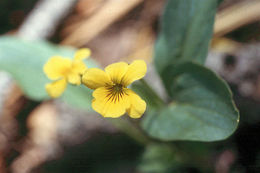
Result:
pixel 112 98
pixel 64 70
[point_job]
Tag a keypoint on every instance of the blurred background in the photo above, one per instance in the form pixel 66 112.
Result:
pixel 52 137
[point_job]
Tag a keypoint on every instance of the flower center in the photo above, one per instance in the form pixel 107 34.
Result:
pixel 118 87
pixel 115 93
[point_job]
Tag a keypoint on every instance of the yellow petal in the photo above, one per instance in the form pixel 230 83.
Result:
pixel 55 89
pixel 82 54
pixel 78 67
pixel 116 71
pixel 138 105
pixel 94 78
pixel 135 71
pixel 107 106
pixel 57 67
pixel 74 78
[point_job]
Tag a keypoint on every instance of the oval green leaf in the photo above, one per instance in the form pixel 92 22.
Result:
pixel 202 107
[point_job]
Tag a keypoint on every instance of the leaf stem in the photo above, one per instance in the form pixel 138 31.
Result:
pixel 132 130
pixel 154 95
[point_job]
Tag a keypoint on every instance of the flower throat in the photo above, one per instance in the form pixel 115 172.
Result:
pixel 115 92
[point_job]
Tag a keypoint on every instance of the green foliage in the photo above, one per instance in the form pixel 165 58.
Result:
pixel 24 60
pixel 185 32
pixel 202 107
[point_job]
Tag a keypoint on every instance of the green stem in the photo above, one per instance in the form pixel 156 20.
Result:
pixel 126 126
pixel 151 92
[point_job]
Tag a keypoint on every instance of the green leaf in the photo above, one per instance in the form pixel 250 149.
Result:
pixel 186 29
pixel 202 107
pixel 24 60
